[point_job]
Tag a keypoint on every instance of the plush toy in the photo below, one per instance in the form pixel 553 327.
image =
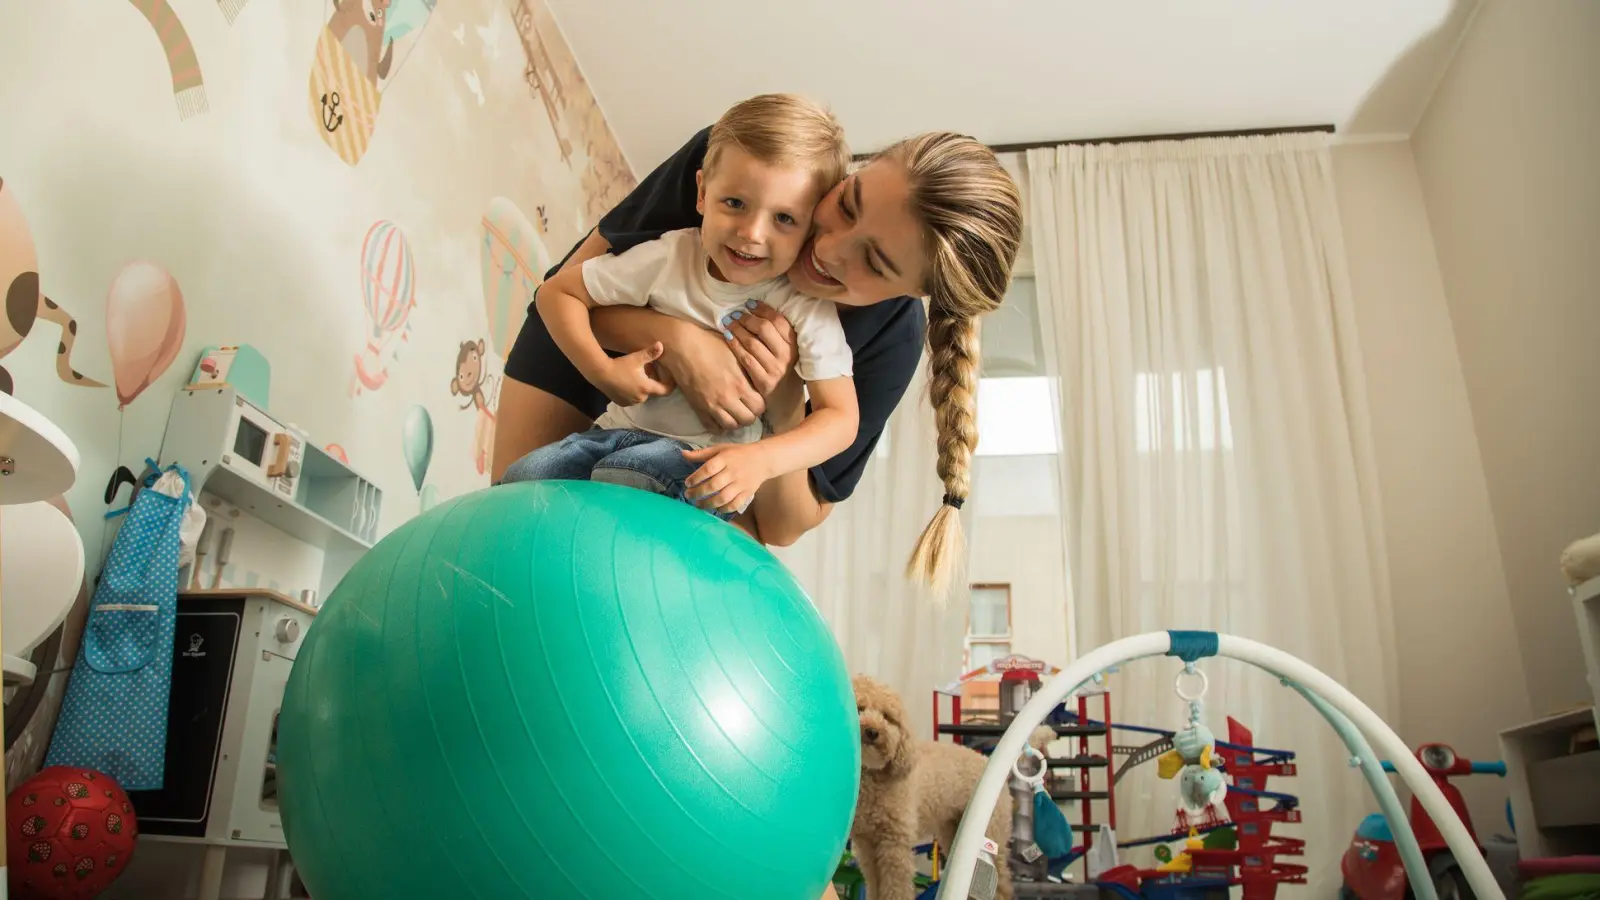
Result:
pixel 1581 560
pixel 1194 762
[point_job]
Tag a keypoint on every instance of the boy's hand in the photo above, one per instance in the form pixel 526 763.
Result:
pixel 728 478
pixel 632 379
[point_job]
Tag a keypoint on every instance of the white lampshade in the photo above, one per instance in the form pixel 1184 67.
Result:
pixel 41 572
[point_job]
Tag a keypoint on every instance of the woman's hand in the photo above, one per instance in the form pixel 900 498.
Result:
pixel 763 342
pixel 728 477
pixel 699 363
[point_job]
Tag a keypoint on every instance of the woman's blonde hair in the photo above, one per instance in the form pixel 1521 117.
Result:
pixel 971 214
pixel 783 130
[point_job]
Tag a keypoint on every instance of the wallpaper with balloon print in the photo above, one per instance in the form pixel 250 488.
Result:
pixel 365 191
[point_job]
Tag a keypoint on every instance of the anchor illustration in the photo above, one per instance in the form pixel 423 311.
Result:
pixel 331 117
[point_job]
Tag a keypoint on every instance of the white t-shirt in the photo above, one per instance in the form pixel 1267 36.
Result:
pixel 669 275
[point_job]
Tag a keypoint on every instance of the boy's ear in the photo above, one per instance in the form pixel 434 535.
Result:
pixel 700 191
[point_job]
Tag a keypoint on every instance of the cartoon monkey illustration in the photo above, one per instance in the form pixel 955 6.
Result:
pixel 469 378
pixel 473 383
pixel 25 305
pixel 358 26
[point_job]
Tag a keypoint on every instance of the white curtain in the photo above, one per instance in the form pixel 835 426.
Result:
pixel 1216 470
pixel 853 566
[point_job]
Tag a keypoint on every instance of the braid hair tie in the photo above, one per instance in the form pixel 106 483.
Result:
pixel 953 501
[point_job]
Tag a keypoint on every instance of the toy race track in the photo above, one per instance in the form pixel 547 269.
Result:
pixel 1253 811
pixel 1252 860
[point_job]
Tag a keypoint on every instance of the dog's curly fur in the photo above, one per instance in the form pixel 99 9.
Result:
pixel 912 789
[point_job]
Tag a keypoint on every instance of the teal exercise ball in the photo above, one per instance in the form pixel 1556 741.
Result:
pixel 567 690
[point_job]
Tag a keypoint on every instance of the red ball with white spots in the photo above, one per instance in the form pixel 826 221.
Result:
pixel 69 834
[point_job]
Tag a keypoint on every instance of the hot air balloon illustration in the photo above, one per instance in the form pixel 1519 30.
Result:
pixel 416 441
pixel 388 292
pixel 359 51
pixel 145 325
pixel 514 263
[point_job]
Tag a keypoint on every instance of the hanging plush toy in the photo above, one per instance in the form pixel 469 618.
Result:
pixel 1194 762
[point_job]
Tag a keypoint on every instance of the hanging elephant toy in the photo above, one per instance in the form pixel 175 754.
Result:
pixel 1193 760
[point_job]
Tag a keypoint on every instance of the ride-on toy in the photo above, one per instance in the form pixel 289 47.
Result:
pixel 1372 867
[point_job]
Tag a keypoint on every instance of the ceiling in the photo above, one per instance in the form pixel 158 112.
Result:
pixel 1011 71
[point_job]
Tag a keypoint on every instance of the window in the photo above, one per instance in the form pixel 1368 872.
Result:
pixel 1017 417
pixel 988 624
pixel 1016 412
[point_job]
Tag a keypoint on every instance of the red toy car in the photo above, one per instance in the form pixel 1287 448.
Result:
pixel 1371 866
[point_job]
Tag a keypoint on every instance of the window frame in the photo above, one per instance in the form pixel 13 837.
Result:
pixel 1005 641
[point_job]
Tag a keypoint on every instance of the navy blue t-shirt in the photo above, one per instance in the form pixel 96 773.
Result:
pixel 886 338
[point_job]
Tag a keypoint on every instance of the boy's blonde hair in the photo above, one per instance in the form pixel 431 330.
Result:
pixel 783 130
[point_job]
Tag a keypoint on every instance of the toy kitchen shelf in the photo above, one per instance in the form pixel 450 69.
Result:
pixel 237 451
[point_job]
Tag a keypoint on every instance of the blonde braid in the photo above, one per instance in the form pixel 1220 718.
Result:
pixel 971 213
pixel 953 390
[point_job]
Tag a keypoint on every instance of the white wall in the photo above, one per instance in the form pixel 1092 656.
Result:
pixel 1461 674
pixel 1507 154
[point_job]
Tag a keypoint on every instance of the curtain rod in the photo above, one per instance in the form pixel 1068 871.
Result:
pixel 1144 138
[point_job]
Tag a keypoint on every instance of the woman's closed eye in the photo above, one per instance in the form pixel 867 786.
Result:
pixel 844 204
pixel 866 256
pixel 848 209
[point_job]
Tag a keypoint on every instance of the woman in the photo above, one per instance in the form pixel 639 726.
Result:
pixel 933 216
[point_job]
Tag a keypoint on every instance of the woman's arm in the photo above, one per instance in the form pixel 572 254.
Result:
pixel 696 360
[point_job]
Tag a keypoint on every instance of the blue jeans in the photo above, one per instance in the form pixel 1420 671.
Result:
pixel 622 456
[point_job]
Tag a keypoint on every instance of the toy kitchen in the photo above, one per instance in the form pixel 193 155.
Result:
pixel 286 519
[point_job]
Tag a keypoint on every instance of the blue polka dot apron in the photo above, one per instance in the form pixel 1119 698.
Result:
pixel 114 717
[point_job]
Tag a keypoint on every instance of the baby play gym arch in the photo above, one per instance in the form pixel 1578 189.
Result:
pixel 1339 706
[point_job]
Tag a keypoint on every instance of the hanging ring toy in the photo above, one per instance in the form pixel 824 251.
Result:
pixel 1177 684
pixel 1037 779
pixel 1052 836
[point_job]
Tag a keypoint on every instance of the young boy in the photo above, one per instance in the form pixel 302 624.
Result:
pixel 769 160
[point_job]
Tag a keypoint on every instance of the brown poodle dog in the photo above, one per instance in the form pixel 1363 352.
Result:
pixel 912 789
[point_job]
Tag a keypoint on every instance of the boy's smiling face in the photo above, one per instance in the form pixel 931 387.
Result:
pixel 755 216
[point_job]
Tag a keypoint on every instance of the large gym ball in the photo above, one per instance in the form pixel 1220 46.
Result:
pixel 567 690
